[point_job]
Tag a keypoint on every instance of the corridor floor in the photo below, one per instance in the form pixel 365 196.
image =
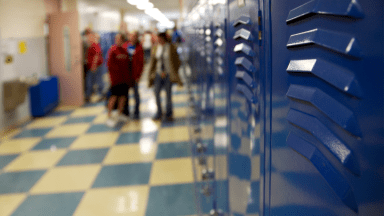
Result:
pixel 71 163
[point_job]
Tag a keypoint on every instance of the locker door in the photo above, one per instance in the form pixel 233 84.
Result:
pixel 245 100
pixel 327 107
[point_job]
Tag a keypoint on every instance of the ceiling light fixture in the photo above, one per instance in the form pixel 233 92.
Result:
pixel 133 2
pixel 144 5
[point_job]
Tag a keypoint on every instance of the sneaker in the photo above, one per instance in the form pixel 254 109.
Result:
pixel 115 114
pixel 123 118
pixel 111 123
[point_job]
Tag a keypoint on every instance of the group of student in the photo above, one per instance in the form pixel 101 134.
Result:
pixel 125 63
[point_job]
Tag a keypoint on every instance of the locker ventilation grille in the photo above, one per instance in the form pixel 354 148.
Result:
pixel 339 78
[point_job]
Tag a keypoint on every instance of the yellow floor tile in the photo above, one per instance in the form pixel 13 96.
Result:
pixel 66 108
pixel 36 160
pixel 67 179
pixel 47 122
pixel 101 118
pixel 173 134
pixel 95 140
pixel 180 112
pixel 10 202
pixel 14 146
pixel 220 170
pixel 255 168
pixel 134 126
pixel 114 201
pixel 171 171
pixel 131 154
pixel 179 98
pixel 88 111
pixel 207 132
pixel 69 130
pixel 220 102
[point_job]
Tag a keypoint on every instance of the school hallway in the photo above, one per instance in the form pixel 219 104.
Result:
pixel 71 163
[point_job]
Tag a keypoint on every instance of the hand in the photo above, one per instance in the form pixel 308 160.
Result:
pixel 163 75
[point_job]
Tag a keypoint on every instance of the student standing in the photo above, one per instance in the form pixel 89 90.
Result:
pixel 118 67
pixel 163 72
pixel 136 55
pixel 94 61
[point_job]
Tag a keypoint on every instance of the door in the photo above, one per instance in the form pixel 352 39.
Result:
pixel 65 54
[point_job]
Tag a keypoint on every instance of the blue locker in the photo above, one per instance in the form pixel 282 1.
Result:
pixel 297 106
pixel 326 95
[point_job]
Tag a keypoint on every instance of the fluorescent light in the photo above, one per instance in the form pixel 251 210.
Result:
pixel 144 5
pixel 133 2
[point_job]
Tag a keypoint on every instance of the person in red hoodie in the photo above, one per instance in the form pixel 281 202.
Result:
pixel 94 73
pixel 119 73
pixel 136 55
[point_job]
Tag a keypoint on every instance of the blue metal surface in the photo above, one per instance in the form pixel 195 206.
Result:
pixel 339 42
pixel 337 76
pixel 293 92
pixel 349 8
pixel 333 102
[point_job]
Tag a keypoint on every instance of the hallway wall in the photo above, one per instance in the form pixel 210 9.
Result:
pixel 21 21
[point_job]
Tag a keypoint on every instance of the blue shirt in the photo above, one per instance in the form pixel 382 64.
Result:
pixel 176 37
pixel 131 50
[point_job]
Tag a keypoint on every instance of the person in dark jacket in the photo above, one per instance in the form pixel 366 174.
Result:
pixel 119 73
pixel 136 55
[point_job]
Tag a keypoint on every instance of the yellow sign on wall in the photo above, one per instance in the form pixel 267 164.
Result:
pixel 22 47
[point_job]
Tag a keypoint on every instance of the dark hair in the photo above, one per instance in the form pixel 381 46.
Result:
pixel 123 37
pixel 87 31
pixel 138 36
pixel 164 36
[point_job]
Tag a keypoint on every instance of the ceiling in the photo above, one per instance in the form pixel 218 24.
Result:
pixel 163 5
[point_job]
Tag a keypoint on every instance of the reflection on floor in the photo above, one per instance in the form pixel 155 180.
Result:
pixel 71 163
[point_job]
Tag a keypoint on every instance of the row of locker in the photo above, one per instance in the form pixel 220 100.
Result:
pixel 287 106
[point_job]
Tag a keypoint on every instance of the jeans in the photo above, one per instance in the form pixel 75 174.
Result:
pixel 159 84
pixel 93 78
pixel 137 98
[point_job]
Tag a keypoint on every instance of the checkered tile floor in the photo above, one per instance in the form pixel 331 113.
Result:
pixel 70 163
